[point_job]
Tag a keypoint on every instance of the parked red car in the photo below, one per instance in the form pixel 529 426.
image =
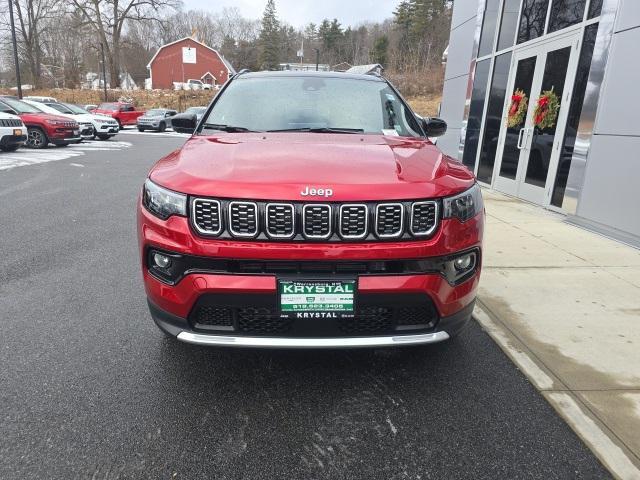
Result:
pixel 124 113
pixel 43 128
pixel 310 210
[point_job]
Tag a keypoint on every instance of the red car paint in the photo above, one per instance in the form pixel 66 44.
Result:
pixel 124 113
pixel 279 166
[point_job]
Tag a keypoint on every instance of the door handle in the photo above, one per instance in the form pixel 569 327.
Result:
pixel 520 137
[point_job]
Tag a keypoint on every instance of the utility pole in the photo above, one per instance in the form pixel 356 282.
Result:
pixel 15 49
pixel 104 73
pixel 317 58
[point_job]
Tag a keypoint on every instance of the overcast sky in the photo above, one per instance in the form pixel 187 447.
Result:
pixel 300 12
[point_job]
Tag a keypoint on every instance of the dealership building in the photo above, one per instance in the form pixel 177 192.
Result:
pixel 542 99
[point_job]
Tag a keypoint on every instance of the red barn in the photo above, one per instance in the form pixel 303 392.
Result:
pixel 187 59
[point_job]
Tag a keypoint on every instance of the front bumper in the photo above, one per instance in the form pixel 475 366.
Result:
pixel 12 140
pixel 175 307
pixel 178 327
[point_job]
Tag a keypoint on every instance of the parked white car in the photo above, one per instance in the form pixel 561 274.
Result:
pixel 13 133
pixel 102 126
pixel 195 84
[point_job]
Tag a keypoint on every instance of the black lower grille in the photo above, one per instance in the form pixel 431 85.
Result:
pixel 261 321
pixel 258 315
pixel 368 320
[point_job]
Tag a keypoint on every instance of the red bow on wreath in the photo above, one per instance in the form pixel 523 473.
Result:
pixel 515 103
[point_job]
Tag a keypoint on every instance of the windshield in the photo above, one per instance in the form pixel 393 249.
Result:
pixel 75 108
pixel 299 103
pixel 59 107
pixel 155 113
pixel 20 107
pixel 108 106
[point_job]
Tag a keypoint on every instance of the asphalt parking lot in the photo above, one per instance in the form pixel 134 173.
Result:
pixel 89 388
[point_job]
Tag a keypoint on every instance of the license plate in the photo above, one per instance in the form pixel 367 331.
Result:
pixel 317 299
pixel 17 132
pixel 76 132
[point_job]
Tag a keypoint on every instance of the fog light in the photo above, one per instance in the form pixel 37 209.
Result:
pixel 464 262
pixel 161 260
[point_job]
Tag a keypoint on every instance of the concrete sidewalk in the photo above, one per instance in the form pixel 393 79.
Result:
pixel 564 304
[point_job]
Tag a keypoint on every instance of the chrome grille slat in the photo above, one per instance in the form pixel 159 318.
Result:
pixel 424 218
pixel 317 221
pixel 207 216
pixel 243 219
pixel 389 220
pixel 353 221
pixel 280 220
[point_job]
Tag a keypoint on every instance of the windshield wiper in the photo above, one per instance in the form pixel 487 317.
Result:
pixel 226 128
pixel 320 130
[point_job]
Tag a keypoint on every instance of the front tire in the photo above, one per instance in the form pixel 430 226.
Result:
pixel 103 137
pixel 162 127
pixel 36 138
pixel 140 129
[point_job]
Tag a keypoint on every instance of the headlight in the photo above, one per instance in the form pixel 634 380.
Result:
pixel 55 122
pixel 162 202
pixel 463 206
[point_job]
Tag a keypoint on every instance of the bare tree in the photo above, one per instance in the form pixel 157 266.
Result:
pixel 108 19
pixel 32 22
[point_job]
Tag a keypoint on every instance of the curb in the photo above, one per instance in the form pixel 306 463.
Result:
pixel 604 444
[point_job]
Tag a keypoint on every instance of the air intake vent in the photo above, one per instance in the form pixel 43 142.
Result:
pixel 316 221
pixel 353 221
pixel 389 220
pixel 424 218
pixel 207 216
pixel 243 219
pixel 280 220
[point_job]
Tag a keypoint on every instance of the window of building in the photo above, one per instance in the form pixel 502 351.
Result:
pixel 565 13
pixel 595 8
pixel 476 108
pixel 508 24
pixel 575 110
pixel 488 28
pixel 494 117
pixel 532 19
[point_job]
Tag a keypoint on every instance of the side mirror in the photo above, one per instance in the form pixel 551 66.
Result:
pixel 184 123
pixel 434 126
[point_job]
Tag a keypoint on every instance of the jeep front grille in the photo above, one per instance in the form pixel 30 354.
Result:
pixel 207 216
pixel 424 218
pixel 10 122
pixel 280 220
pixel 298 221
pixel 353 221
pixel 316 221
pixel 389 220
pixel 243 219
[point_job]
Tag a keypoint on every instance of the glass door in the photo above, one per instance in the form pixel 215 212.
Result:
pixel 535 117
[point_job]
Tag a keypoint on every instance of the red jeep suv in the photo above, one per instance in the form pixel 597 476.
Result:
pixel 310 210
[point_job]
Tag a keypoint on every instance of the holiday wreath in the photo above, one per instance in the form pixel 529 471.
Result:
pixel 546 112
pixel 518 109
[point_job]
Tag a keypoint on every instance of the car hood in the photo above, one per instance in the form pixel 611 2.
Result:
pixel 279 166
pixel 45 116
pixel 83 117
pixel 103 117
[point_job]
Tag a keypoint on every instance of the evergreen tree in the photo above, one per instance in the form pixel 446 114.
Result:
pixel 380 50
pixel 270 38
